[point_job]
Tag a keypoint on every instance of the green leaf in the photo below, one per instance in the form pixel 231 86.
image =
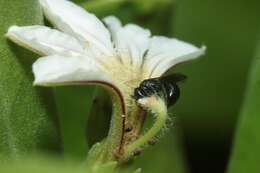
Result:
pixel 79 1
pixel 151 14
pixel 73 105
pixel 108 167
pixel 211 97
pixel 102 6
pixel 142 6
pixel 150 6
pixel 139 170
pixel 99 116
pixel 43 164
pixel 40 164
pixel 26 113
pixel 215 85
pixel 246 151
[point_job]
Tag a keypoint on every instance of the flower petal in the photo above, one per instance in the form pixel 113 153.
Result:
pixel 164 53
pixel 74 20
pixel 57 70
pixel 44 40
pixel 132 42
pixel 113 24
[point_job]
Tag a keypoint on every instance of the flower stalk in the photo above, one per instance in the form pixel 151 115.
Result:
pixel 156 106
pixel 115 135
pixel 125 126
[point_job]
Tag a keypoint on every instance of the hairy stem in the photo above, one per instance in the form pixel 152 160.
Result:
pixel 113 141
pixel 115 133
pixel 157 106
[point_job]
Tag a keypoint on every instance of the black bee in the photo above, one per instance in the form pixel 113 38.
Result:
pixel 165 87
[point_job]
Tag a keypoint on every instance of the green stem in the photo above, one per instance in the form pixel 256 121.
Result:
pixel 112 143
pixel 107 150
pixel 159 108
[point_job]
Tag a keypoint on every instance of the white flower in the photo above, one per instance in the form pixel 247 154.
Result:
pixel 84 50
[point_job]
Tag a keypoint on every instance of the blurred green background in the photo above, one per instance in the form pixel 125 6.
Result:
pixel 206 116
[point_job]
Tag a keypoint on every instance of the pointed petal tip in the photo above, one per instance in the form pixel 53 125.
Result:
pixel 202 50
pixel 12 28
pixel 112 20
pixel 181 52
pixel 11 31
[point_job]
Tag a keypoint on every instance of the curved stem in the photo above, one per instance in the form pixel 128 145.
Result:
pixel 115 132
pixel 110 147
pixel 157 106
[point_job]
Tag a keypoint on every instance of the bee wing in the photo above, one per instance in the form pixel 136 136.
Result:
pixel 176 77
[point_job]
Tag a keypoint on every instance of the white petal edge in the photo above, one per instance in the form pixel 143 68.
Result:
pixel 58 70
pixel 113 24
pixel 166 52
pixel 44 40
pixel 165 66
pixel 131 42
pixel 74 20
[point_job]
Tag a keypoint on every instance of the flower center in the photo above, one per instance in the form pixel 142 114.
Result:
pixel 127 77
